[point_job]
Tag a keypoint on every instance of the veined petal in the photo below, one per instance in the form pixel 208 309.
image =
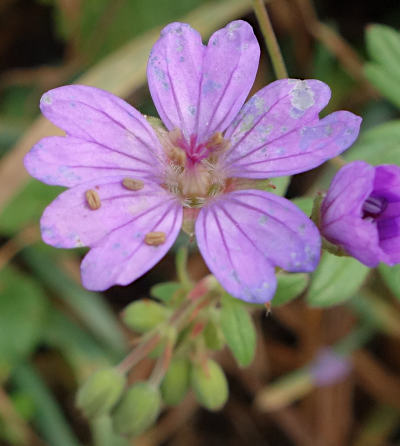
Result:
pixel 201 89
pixel 69 222
pixel 244 234
pixel 69 161
pixel 342 220
pixel 174 74
pixel 350 187
pixel 387 184
pixel 229 69
pixel 278 131
pixel 123 256
pixel 96 116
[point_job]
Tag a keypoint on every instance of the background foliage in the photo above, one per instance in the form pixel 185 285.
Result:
pixel 53 333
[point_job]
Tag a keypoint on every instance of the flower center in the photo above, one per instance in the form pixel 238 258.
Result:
pixel 194 172
pixel 373 207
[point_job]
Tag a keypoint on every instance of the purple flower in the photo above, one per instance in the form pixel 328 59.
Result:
pixel 361 212
pixel 132 184
pixel 328 367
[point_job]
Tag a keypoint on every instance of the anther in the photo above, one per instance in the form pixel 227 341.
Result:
pixel 216 141
pixel 92 199
pixel 177 156
pixel 155 238
pixel 132 184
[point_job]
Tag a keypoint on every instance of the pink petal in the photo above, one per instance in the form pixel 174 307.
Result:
pixel 229 69
pixel 69 222
pixel 278 132
pixel 201 89
pixel 123 256
pixel 174 75
pixel 69 161
pixel 341 213
pixel 350 187
pixel 244 234
pixel 96 116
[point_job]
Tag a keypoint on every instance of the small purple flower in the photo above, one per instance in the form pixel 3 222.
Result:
pixel 328 367
pixel 361 212
pixel 131 184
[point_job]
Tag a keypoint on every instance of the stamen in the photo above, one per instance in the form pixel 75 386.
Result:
pixel 155 238
pixel 92 199
pixel 177 156
pixel 216 140
pixel 132 184
pixel 373 206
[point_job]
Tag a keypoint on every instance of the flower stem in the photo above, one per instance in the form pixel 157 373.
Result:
pixel 270 39
pixel 139 353
pixel 182 314
pixel 181 267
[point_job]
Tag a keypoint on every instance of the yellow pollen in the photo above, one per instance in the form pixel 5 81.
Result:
pixel 92 199
pixel 155 238
pixel 132 184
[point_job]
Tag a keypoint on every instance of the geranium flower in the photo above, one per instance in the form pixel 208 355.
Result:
pixel 131 184
pixel 361 212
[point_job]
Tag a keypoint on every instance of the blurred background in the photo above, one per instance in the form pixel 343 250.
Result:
pixel 53 333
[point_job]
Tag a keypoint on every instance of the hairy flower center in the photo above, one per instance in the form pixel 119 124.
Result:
pixel 194 172
pixel 373 207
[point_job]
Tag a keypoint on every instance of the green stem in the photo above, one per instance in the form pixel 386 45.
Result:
pixel 139 353
pixel 181 267
pixel 151 339
pixel 270 39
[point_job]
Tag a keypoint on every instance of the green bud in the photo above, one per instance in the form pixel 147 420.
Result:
pixel 100 392
pixel 144 315
pixel 209 385
pixel 213 336
pixel 176 381
pixel 137 410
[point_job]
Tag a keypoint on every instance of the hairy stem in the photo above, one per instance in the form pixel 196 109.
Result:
pixel 270 39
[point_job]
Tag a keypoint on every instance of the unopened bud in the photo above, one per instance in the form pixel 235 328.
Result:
pixel 144 315
pixel 137 410
pixel 100 392
pixel 209 384
pixel 176 381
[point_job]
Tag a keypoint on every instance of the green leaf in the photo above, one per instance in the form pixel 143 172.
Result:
pixel 165 291
pixel 90 307
pixel 238 329
pixel 385 81
pixel 48 418
pixel 289 287
pixel 27 206
pixel 383 45
pixel 335 280
pixel 391 276
pixel 22 315
pixel 379 145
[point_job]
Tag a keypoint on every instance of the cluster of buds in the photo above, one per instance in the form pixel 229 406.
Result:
pixel 180 332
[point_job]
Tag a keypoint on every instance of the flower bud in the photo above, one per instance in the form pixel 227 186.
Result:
pixel 209 385
pixel 137 410
pixel 144 315
pixel 176 381
pixel 100 392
